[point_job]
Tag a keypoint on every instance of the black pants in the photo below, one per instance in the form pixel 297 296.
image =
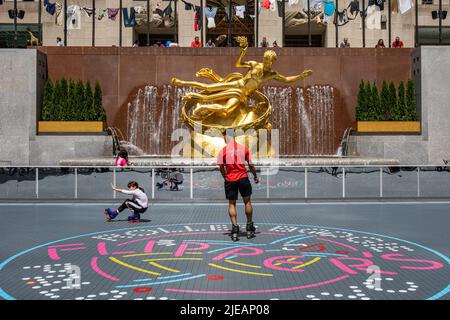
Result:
pixel 133 205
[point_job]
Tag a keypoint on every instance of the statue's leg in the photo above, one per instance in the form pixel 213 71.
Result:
pixel 203 86
pixel 221 110
pixel 232 93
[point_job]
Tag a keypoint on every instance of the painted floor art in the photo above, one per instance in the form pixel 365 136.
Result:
pixel 183 252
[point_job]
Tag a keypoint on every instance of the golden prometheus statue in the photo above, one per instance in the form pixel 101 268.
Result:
pixel 233 102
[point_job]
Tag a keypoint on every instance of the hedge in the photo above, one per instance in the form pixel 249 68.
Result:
pixel 72 101
pixel 391 104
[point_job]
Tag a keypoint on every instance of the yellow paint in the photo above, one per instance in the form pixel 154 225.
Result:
pixel 280 263
pixel 133 267
pixel 240 271
pixel 145 254
pixel 307 263
pixel 70 126
pixel 243 264
pixel 388 126
pixel 169 259
pixel 163 267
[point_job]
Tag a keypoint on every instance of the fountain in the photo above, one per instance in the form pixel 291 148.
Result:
pixel 309 129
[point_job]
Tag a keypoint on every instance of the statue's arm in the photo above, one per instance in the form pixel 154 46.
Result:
pixel 242 64
pixel 282 78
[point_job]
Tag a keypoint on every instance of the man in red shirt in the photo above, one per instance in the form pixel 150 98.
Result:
pixel 231 161
pixel 196 43
pixel 397 43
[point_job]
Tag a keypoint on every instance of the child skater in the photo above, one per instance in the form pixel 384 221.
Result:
pixel 137 204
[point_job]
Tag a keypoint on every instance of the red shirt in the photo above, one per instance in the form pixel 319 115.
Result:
pixel 233 157
pixel 196 44
pixel 399 45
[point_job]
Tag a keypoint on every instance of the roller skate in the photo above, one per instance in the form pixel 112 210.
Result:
pixel 250 230
pixel 135 217
pixel 110 214
pixel 235 233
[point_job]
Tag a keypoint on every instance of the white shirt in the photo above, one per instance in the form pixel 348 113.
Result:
pixel 138 196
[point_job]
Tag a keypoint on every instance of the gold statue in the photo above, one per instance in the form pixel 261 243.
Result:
pixel 226 103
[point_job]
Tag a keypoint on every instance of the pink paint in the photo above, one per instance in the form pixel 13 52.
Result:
pixel 367 254
pixel 239 252
pixel 365 263
pixel 101 248
pixel 339 243
pixel 434 264
pixel 263 290
pixel 184 234
pixel 269 263
pixel 53 254
pixel 166 235
pixel 149 246
pixel 185 244
pixel 101 272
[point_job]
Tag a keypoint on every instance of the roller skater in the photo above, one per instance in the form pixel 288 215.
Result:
pixel 137 204
pixel 231 161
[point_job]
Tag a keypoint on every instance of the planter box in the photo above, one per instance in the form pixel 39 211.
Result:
pixel 388 126
pixel 71 126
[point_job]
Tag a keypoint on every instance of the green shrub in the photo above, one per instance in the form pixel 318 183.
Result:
pixel 70 112
pixel 47 103
pixel 401 102
pixel 80 104
pixel 100 113
pixel 390 105
pixel 384 102
pixel 63 100
pixel 361 103
pixel 88 102
pixel 374 104
pixel 72 101
pixel 411 100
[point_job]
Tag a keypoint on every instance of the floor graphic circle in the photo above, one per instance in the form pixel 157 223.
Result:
pixel 199 261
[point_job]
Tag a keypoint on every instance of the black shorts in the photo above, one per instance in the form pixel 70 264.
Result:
pixel 242 185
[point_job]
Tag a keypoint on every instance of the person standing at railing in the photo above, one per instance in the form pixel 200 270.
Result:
pixel 137 204
pixel 231 161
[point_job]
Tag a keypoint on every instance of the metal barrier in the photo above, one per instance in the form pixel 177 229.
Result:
pixel 206 183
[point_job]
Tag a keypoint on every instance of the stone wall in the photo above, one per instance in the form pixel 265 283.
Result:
pixel 431 73
pixel 21 89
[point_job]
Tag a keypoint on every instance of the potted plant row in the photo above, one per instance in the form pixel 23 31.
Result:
pixel 72 107
pixel 391 110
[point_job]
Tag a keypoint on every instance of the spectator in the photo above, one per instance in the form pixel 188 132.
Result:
pixel 345 44
pixel 168 43
pixel 136 44
pixel 210 44
pixel 380 44
pixel 275 44
pixel 121 159
pixel 59 42
pixel 173 44
pixel 196 43
pixel 397 43
pixel 264 43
